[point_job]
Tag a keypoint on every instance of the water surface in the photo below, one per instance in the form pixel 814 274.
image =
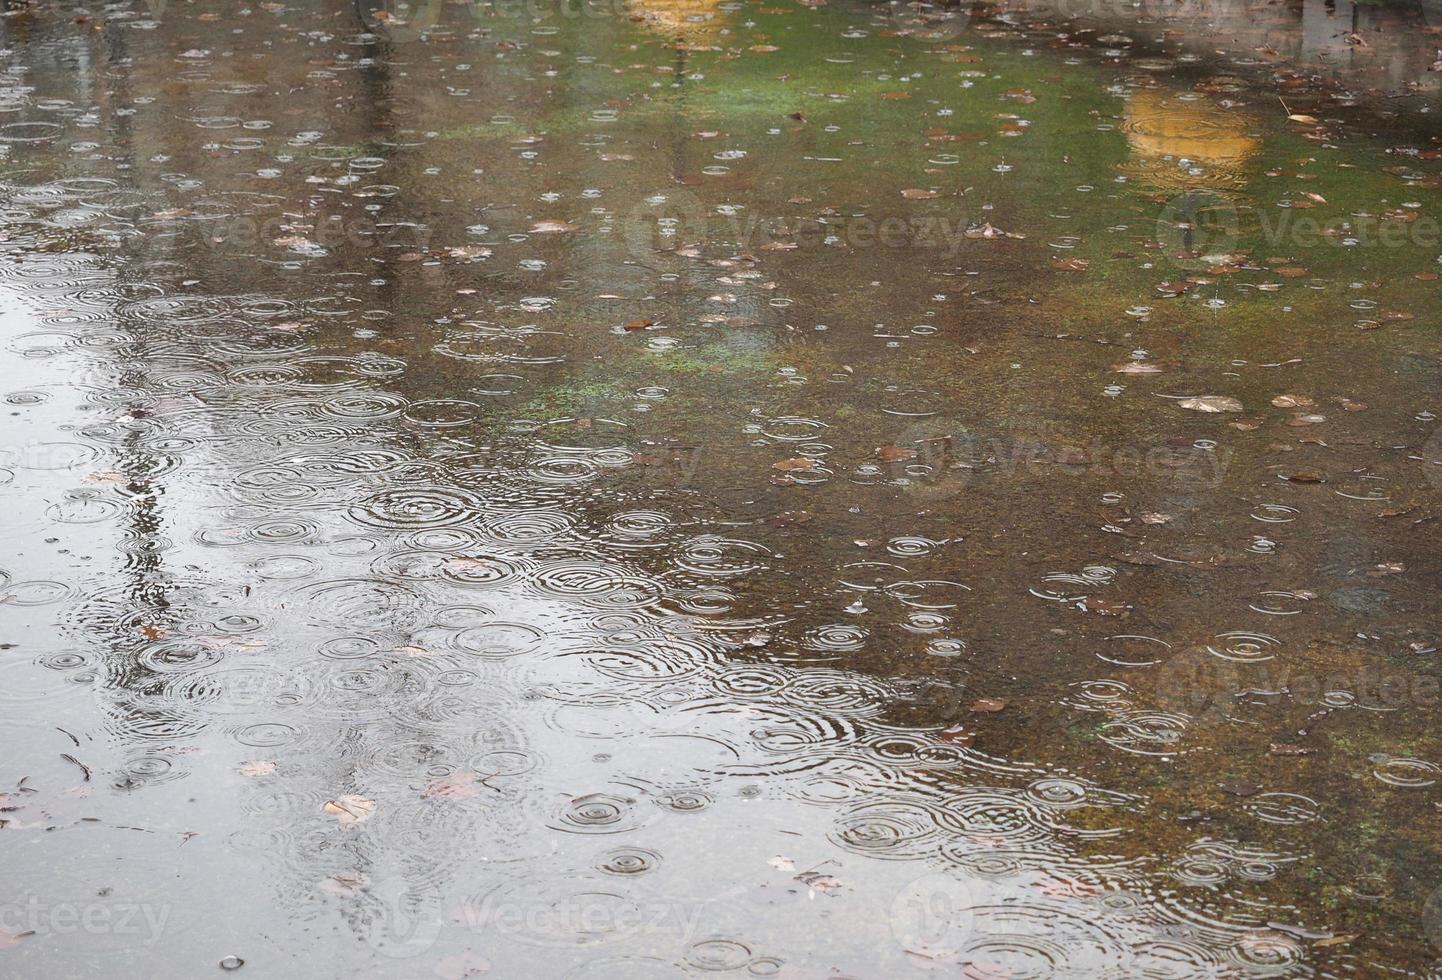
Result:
pixel 657 489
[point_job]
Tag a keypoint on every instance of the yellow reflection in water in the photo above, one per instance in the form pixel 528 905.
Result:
pixel 692 22
pixel 1182 142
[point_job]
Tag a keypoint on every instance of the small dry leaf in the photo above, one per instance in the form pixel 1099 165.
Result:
pixel 469 252
pixel 1155 518
pixel 989 231
pixel 630 325
pixel 917 194
pixel 817 881
pixel 1211 404
pixel 350 809
pixel 459 785
pixel 1299 117
pixel 1105 607
pixel 988 705
pixel 795 463
pixel 894 454
pixel 347 884
pixel 958 735
pixel 1292 401
pixel 551 227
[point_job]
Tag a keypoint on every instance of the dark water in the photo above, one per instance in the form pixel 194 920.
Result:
pixel 662 489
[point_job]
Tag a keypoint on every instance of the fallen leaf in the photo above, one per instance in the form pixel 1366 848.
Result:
pixel 894 454
pixel 350 809
pixel 1292 401
pixel 958 735
pixel 795 463
pixel 258 767
pixel 347 884
pixel 1211 404
pixel 459 785
pixel 468 252
pixel 989 231
pixel 1071 265
pixel 630 325
pixel 1303 476
pixel 817 881
pixel 1104 607
pixel 551 227
pixel 917 194
pixel 988 705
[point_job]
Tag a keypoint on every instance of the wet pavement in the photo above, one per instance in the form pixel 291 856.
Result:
pixel 653 489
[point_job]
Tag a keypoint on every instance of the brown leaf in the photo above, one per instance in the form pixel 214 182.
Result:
pixel 1211 404
pixel 989 231
pixel 817 881
pixel 347 884
pixel 958 735
pixel 1292 401
pixel 894 454
pixel 988 705
pixel 1071 265
pixel 468 252
pixel 630 325
pixel 459 785
pixel 795 463
pixel 1304 476
pixel 1105 607
pixel 350 809
pixel 551 227
pixel 917 194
